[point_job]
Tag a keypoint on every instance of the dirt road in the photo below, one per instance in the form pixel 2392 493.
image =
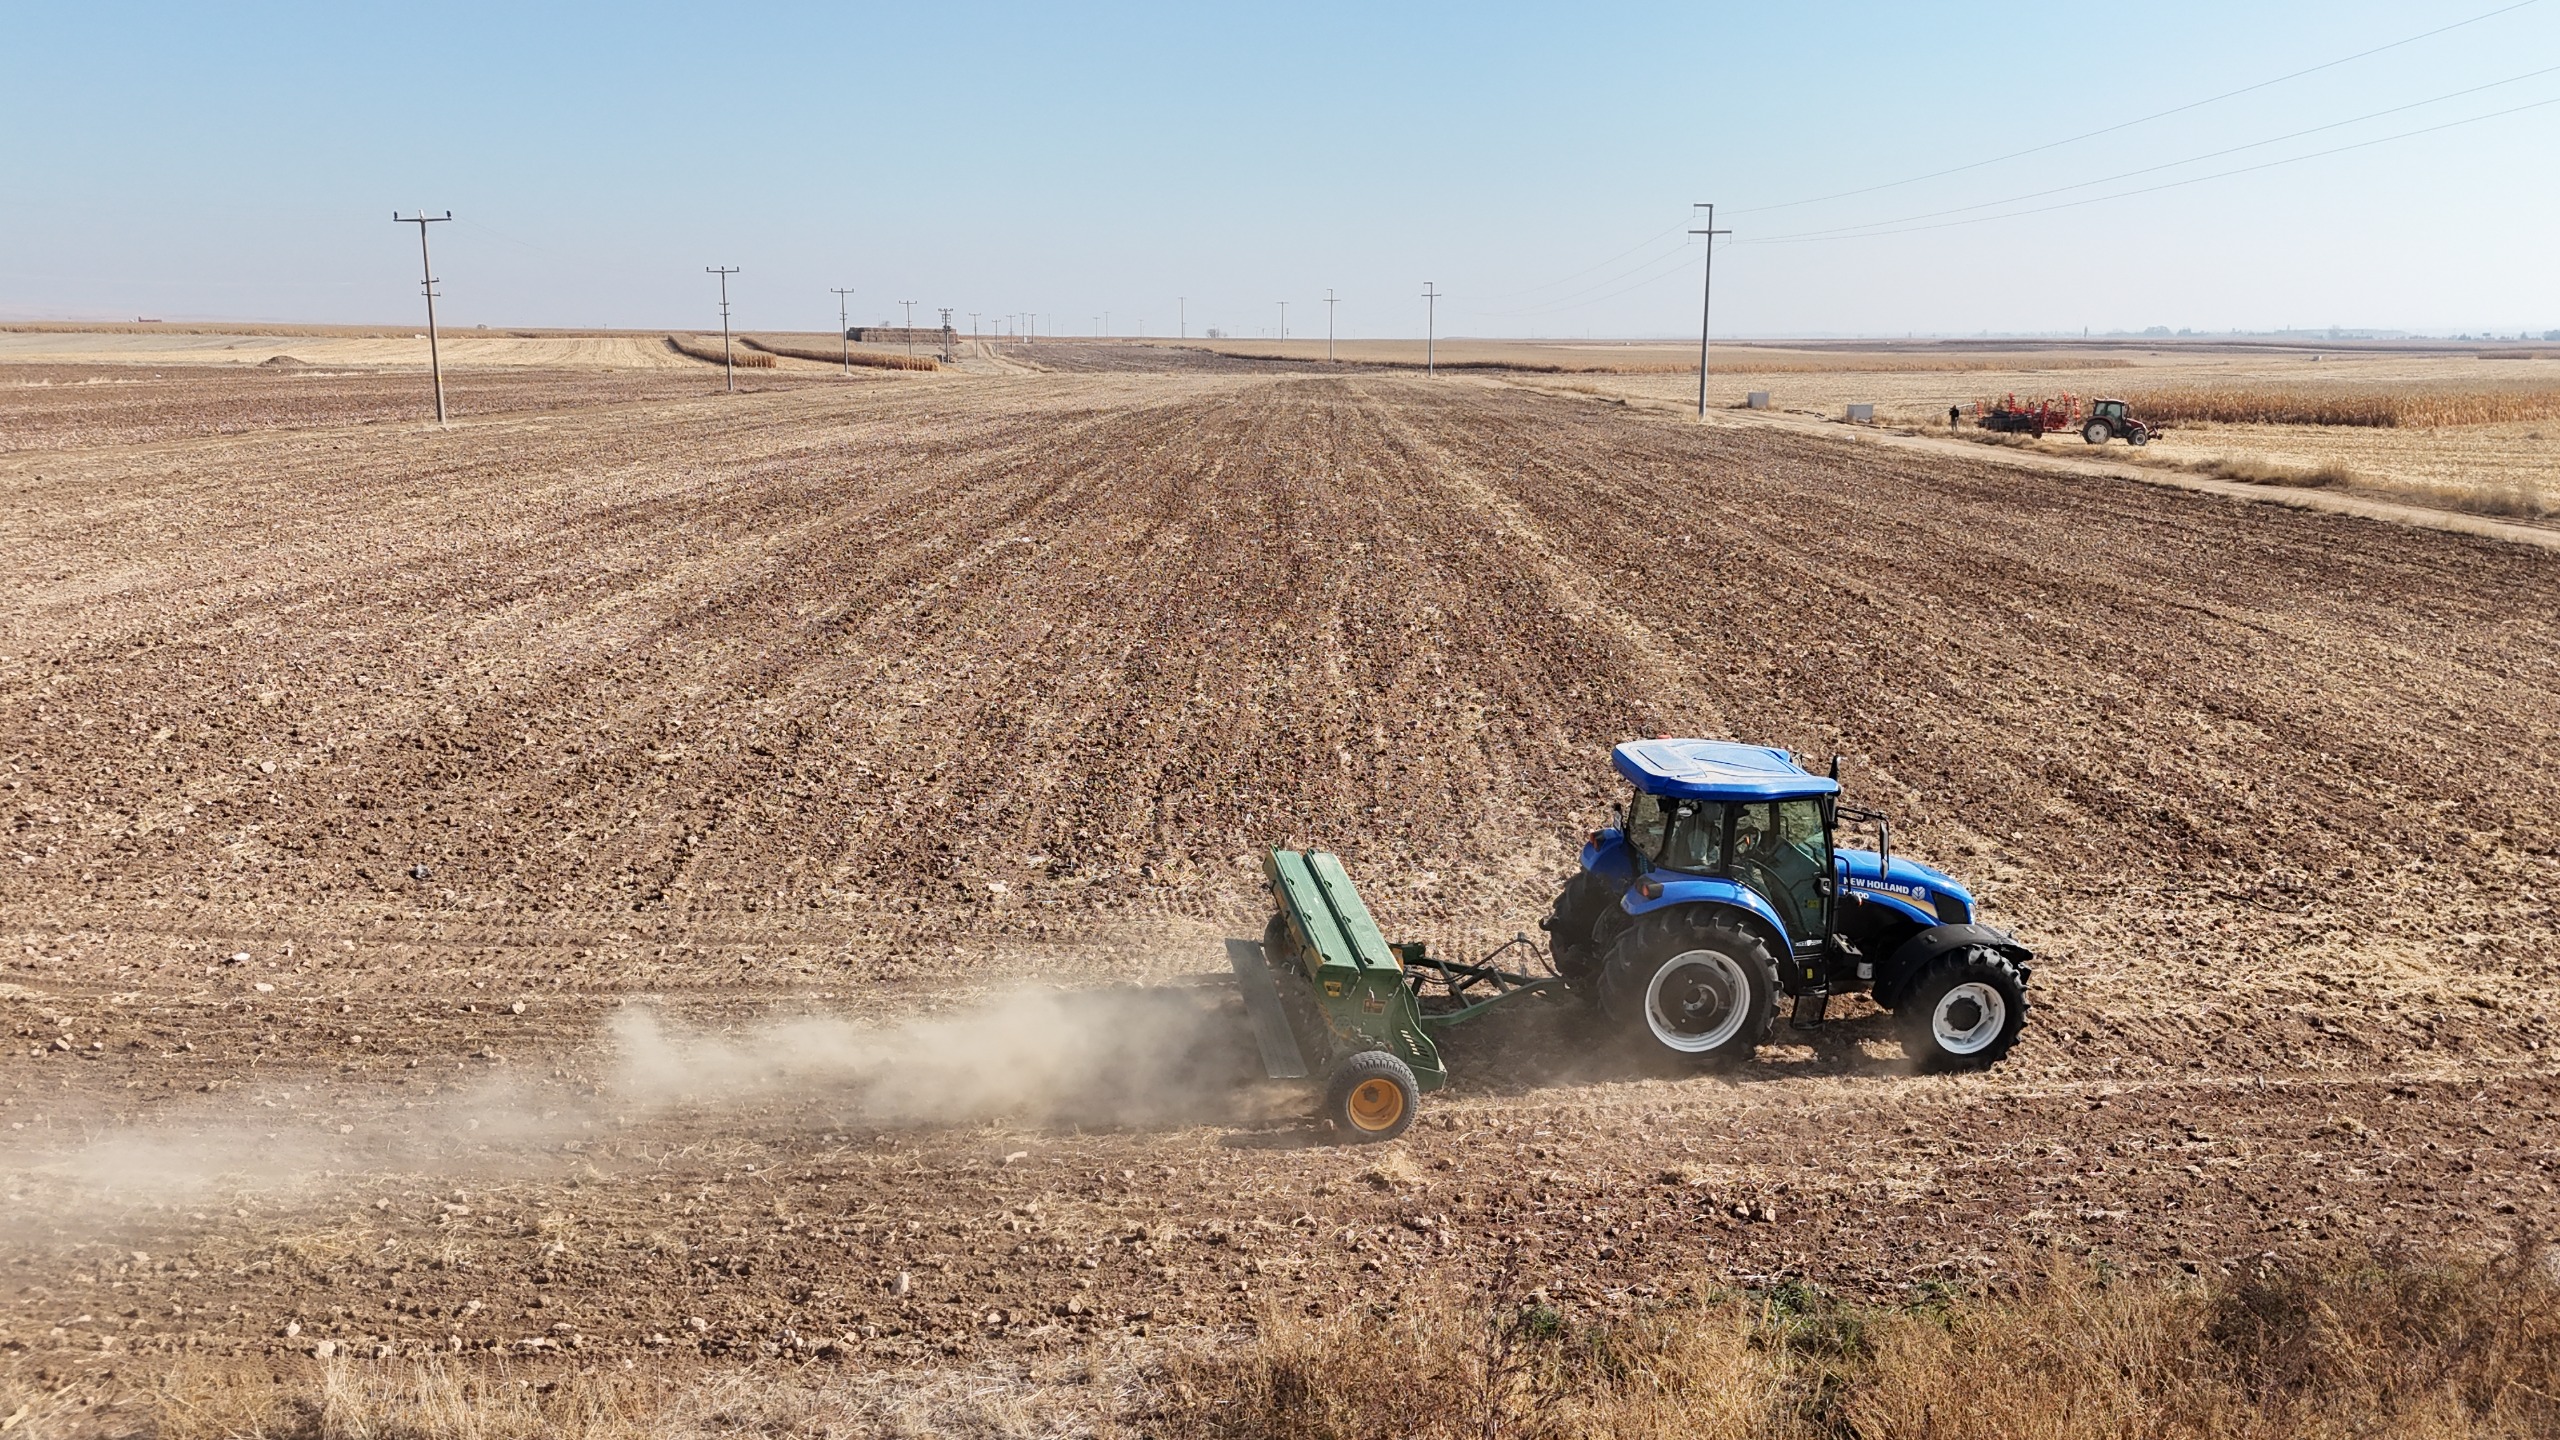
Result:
pixel 373 792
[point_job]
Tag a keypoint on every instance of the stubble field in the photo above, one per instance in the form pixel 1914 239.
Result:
pixel 738 879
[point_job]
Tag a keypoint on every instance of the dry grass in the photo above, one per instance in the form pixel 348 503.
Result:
pixel 872 359
pixel 2366 1346
pixel 2381 408
pixel 695 347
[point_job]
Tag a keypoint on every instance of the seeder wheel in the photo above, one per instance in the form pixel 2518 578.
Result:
pixel 1371 1097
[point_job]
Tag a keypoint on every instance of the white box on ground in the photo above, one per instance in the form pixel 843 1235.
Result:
pixel 1756 400
pixel 1862 412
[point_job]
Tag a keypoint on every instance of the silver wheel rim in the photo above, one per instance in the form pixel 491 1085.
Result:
pixel 1969 1017
pixel 1697 1001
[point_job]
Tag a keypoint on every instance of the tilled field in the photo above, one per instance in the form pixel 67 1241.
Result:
pixel 63 407
pixel 741 875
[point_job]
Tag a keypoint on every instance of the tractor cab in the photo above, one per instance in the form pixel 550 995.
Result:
pixel 2107 410
pixel 1726 861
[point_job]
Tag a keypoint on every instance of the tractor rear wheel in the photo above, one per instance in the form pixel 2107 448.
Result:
pixel 2096 432
pixel 1371 1097
pixel 1572 931
pixel 1965 1012
pixel 1685 986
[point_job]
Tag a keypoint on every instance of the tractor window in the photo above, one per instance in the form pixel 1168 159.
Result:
pixel 1645 820
pixel 1697 838
pixel 1783 850
pixel 1677 834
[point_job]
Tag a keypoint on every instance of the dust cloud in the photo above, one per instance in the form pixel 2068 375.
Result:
pixel 1130 1055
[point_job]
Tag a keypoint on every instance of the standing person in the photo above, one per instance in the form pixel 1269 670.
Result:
pixel 1952 412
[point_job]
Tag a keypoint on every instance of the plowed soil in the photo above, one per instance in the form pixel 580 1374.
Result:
pixel 742 875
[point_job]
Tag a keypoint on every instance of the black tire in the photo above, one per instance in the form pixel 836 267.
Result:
pixel 1572 927
pixel 2096 432
pixel 2138 435
pixel 1964 1013
pixel 1371 1097
pixel 1688 985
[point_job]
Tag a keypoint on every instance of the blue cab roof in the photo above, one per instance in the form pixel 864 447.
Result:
pixel 1717 770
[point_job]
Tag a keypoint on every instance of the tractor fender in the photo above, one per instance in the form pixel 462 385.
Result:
pixel 1756 913
pixel 1914 956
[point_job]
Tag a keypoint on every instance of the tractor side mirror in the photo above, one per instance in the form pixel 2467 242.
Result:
pixel 1822 886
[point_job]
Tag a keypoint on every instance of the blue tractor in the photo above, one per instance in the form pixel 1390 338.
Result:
pixel 1721 888
pixel 1718 890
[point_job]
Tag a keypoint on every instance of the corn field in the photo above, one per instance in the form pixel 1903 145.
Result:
pixel 871 359
pixel 2380 408
pixel 701 349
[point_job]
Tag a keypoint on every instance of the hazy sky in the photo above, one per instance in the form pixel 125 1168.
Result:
pixel 1536 162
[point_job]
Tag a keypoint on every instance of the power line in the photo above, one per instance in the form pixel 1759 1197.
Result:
pixel 1662 271
pixel 727 362
pixel 2174 164
pixel 426 268
pixel 1813 237
pixel 2142 120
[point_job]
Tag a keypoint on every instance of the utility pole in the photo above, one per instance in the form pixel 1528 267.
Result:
pixel 910 326
pixel 1431 332
pixel 1329 303
pixel 1706 298
pixel 435 362
pixel 1182 309
pixel 727 362
pixel 1284 322
pixel 946 333
pixel 1031 334
pixel 844 330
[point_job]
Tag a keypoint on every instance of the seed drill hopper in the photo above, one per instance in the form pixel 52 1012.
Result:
pixel 1330 998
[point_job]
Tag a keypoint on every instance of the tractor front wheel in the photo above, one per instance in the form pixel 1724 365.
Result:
pixel 2138 435
pixel 1692 988
pixel 1371 1097
pixel 2095 432
pixel 1965 1012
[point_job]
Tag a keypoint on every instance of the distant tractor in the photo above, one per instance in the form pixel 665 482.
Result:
pixel 2110 420
pixel 2103 421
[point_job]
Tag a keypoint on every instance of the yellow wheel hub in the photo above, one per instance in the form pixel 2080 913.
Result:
pixel 1376 1105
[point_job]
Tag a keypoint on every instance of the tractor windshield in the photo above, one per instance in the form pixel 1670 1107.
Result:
pixel 1678 834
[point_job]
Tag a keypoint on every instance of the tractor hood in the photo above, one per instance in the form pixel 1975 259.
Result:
pixel 1929 893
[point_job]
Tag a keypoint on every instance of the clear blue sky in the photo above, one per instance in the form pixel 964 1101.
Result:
pixel 242 161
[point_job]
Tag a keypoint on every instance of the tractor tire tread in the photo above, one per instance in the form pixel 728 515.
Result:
pixel 1920 1003
pixel 1357 1070
pixel 1632 957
